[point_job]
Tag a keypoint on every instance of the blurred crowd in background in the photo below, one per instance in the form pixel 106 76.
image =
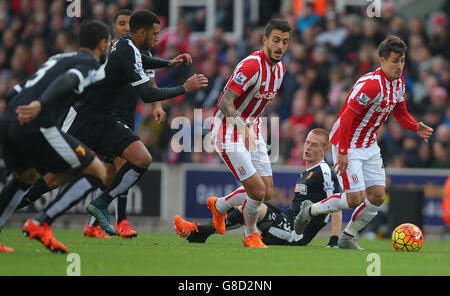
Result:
pixel 328 52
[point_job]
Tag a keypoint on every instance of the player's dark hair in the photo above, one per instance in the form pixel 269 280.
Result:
pixel 277 24
pixel 391 44
pixel 143 19
pixel 122 12
pixel 92 32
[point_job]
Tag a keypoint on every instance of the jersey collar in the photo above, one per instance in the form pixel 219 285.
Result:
pixel 316 165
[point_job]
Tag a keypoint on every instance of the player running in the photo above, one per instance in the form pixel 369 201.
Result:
pixel 32 143
pixel 316 183
pixel 236 129
pixel 355 151
pixel 95 123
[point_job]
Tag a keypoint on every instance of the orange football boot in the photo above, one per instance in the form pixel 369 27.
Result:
pixel 254 241
pixel 218 218
pixel 5 249
pixel 183 227
pixel 95 231
pixel 124 229
pixel 44 234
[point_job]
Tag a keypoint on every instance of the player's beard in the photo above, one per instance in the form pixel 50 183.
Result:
pixel 272 59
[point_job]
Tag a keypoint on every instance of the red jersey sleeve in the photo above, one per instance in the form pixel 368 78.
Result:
pixel 362 96
pixel 244 76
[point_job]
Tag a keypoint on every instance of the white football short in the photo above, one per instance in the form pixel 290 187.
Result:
pixel 365 168
pixel 242 163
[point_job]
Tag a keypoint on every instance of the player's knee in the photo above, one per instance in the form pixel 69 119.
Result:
pixel 377 198
pixel 354 199
pixel 144 161
pixel 257 192
pixel 54 180
pixel 268 192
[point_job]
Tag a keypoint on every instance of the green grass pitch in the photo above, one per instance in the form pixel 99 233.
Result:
pixel 223 255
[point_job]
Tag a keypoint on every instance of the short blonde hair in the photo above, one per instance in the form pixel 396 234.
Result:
pixel 323 133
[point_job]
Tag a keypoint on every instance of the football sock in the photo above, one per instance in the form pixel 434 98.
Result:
pixel 75 191
pixel 334 203
pixel 235 198
pixel 234 219
pixel 126 177
pixel 36 191
pixel 10 197
pixel 362 215
pixel 92 220
pixel 120 205
pixel 250 211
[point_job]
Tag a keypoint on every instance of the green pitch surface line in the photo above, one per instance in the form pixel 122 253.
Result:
pixel 168 254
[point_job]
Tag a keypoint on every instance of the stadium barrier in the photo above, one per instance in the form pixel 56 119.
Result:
pixel 168 190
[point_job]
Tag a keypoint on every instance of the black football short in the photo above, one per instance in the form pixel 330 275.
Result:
pixel 108 138
pixel 281 230
pixel 44 149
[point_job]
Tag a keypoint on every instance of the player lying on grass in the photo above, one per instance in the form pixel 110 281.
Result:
pixel 316 183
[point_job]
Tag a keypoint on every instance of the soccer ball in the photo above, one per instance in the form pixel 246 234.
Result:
pixel 407 238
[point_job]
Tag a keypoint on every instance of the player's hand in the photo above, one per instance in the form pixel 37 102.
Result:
pixel 184 57
pixel 341 164
pixel 159 114
pixel 195 82
pixel 424 131
pixel 27 113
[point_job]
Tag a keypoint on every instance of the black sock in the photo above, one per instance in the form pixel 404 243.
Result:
pixel 126 177
pixel 121 207
pixel 234 219
pixel 10 197
pixel 36 191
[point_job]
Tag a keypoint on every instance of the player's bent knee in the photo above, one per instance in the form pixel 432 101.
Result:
pixel 54 180
pixel 354 199
pixel 96 169
pixel 28 177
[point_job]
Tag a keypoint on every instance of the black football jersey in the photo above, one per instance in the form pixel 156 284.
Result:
pixel 126 108
pixel 123 68
pixel 82 63
pixel 314 184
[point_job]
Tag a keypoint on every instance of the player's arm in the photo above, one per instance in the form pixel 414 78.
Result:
pixel 150 94
pixel 156 63
pixel 158 111
pixel 408 122
pixel 226 105
pixel 13 91
pixel 57 89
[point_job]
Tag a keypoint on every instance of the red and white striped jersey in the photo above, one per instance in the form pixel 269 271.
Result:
pixel 257 82
pixel 373 97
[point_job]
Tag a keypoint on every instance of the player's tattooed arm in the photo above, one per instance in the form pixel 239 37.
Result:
pixel 227 107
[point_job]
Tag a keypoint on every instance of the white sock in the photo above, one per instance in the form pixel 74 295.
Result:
pixel 250 211
pixel 235 198
pixel 362 215
pixel 334 203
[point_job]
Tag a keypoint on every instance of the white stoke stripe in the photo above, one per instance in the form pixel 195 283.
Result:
pixel 360 127
pixel 76 191
pixel 69 119
pixel 11 207
pixel 335 128
pixel 57 141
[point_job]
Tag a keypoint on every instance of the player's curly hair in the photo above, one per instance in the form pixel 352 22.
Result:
pixel 391 44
